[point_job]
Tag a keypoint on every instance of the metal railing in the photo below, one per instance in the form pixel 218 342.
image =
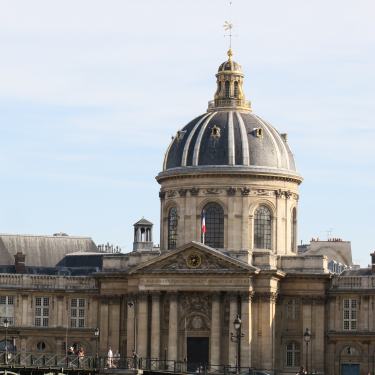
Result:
pixel 217 103
pixel 19 359
pixel 36 360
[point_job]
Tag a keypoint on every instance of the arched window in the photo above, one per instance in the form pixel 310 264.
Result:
pixel 293 231
pixel 262 228
pixel 293 354
pixel 293 309
pixel 172 228
pixel 219 89
pixel 236 90
pixel 227 89
pixel 214 216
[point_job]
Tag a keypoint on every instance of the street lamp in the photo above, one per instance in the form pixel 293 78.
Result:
pixel 307 338
pixel 6 325
pixel 235 337
pixel 97 331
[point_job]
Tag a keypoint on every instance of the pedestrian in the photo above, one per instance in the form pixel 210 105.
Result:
pixel 135 358
pixel 70 354
pixel 110 358
pixel 81 354
pixel 302 371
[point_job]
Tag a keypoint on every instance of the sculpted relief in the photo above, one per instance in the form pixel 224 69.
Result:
pixel 207 263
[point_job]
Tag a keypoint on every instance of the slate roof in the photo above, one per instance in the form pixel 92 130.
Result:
pixel 237 146
pixel 357 272
pixel 52 271
pixel 143 221
pixel 42 250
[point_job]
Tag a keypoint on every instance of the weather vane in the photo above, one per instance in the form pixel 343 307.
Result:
pixel 230 26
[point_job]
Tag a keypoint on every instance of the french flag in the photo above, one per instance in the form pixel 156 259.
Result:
pixel 204 223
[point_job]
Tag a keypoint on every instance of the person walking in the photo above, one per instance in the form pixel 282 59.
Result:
pixel 302 371
pixel 135 359
pixel 110 358
pixel 70 355
pixel 81 354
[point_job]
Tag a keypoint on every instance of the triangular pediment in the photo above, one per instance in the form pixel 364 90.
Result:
pixel 194 257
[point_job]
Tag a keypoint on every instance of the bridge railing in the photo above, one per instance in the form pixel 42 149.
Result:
pixel 49 360
pixel 21 359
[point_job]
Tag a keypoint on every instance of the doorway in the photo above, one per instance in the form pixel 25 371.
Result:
pixel 197 352
pixel 350 369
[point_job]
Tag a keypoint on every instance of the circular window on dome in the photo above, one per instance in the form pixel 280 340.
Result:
pixel 350 351
pixel 41 345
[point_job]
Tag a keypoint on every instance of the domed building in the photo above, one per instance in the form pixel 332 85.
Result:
pixel 235 167
pixel 228 230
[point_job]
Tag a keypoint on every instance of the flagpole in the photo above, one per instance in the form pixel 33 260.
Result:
pixel 203 218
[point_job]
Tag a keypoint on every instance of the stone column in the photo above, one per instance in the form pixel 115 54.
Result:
pixel 60 309
pixel 245 218
pixel 215 329
pixel 319 349
pixel 25 300
pixel 114 323
pixel 267 301
pixel 332 313
pixel 246 329
pixel 130 324
pixel 233 300
pixel 104 305
pixel 173 326
pixel 155 325
pixel 142 324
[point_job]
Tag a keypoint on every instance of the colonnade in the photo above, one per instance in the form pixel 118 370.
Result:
pixel 222 350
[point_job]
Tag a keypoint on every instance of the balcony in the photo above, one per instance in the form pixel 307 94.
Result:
pixel 229 104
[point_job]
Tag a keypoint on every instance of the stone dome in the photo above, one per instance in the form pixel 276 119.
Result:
pixel 230 139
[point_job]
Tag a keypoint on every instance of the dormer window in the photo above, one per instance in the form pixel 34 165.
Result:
pixel 215 132
pixel 64 272
pixel 259 132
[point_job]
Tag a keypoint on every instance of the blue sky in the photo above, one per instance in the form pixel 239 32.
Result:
pixel 91 92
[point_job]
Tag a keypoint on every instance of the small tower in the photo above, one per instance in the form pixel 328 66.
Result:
pixel 143 236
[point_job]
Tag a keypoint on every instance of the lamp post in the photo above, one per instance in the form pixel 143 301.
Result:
pixel 307 338
pixel 97 331
pixel 6 325
pixel 235 337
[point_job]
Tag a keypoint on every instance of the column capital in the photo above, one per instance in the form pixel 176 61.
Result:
pixel 155 295
pixel 173 296
pixel 215 296
pixel 265 297
pixel 313 300
pixel 233 296
pixel 247 295
pixel 142 296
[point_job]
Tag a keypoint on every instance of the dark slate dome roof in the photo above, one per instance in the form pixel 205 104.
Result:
pixel 229 140
pixel 230 66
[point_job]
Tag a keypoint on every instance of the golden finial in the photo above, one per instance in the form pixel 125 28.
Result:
pixel 230 26
pixel 230 53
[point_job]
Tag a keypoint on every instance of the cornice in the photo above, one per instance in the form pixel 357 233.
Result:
pixel 233 172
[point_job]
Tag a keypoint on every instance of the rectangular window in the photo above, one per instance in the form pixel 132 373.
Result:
pixel 350 314
pixel 42 311
pixel 77 312
pixel 6 309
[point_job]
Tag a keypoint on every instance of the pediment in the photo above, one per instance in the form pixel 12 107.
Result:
pixel 211 261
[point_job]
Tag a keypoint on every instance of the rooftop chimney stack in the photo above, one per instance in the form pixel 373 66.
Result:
pixel 20 263
pixel 373 262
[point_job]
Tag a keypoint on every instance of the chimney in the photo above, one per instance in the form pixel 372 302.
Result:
pixel 373 262
pixel 19 262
